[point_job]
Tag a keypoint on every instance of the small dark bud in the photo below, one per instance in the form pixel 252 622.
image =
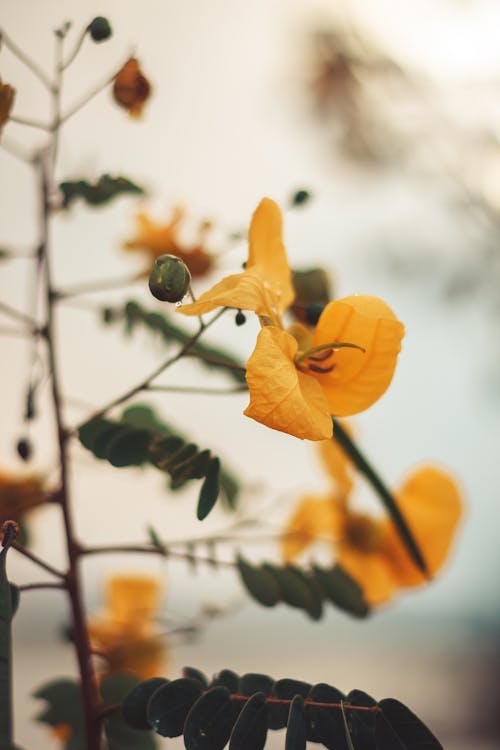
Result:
pixel 240 318
pixel 300 197
pixel 24 449
pixel 169 279
pixel 108 315
pixel 99 29
pixel 313 313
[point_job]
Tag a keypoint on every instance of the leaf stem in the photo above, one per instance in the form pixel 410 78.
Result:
pixel 26 60
pixel 38 561
pixel 354 454
pixel 144 384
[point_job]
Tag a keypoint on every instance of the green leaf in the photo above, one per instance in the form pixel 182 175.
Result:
pixel 296 730
pixel 129 447
pixel 209 723
pixel 15 596
pixel 6 614
pixel 361 723
pixel 260 583
pixel 63 697
pixel 209 490
pixel 227 678
pixel 253 682
pixel 299 590
pixel 143 416
pixel 170 704
pixel 250 729
pixel 342 590
pixel 103 191
pixel 154 538
pixel 120 736
pixel 285 689
pixel 398 728
pixel 135 704
pixel 352 451
pixel 326 724
pixel 195 674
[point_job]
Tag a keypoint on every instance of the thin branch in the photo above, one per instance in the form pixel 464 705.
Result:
pixel 218 361
pixel 31 64
pixel 41 585
pixel 89 96
pixel 17 151
pixel 18 315
pixel 150 549
pixel 97 286
pixel 75 51
pixel 38 561
pixel 16 332
pixel 30 123
pixel 144 384
pixel 195 389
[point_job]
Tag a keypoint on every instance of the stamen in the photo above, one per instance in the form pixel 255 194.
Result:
pixel 328 347
pixel 320 357
pixel 317 368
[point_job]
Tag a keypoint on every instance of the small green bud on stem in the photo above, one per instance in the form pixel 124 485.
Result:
pixel 99 29
pixel 169 279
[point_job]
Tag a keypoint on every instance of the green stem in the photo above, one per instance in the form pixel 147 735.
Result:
pixel 352 451
pixel 6 706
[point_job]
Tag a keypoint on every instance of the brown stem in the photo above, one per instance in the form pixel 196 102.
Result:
pixel 41 585
pixel 23 57
pixel 98 286
pixel 38 561
pixel 144 384
pixel 90 699
pixel 149 549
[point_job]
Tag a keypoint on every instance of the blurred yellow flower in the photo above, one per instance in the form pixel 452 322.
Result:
pixel 126 635
pixel 369 548
pixel 7 94
pixel 19 495
pixel 298 378
pixel 154 239
pixel 131 89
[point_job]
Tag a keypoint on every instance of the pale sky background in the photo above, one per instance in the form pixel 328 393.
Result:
pixel 230 122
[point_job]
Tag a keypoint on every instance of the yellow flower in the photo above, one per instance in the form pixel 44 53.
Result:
pixel 19 495
pixel 156 239
pixel 131 89
pixel 370 548
pixel 298 378
pixel 125 636
pixel 7 94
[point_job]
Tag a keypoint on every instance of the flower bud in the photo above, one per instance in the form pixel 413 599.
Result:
pixel 169 279
pixel 99 29
pixel 24 449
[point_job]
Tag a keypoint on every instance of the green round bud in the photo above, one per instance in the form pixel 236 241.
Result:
pixel 99 29
pixel 169 279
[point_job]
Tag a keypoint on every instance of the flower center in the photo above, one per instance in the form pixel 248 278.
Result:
pixel 362 532
pixel 317 359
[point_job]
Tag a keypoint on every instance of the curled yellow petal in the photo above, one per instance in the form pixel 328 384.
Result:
pixel 337 465
pixel 267 252
pixel 356 378
pixel 314 518
pixel 281 396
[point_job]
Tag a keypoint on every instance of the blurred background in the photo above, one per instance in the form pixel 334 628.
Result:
pixel 387 113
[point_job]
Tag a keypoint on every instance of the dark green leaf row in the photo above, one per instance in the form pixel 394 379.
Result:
pixel 139 437
pixel 241 710
pixel 102 191
pixel 307 590
pixel 132 314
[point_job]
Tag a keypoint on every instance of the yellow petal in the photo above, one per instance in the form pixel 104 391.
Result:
pixel 371 570
pixel 315 517
pixel 267 252
pixel 431 503
pixel 242 290
pixel 281 397
pixel 358 378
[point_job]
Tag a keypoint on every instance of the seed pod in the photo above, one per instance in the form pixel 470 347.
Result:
pixel 99 29
pixel 24 449
pixel 169 279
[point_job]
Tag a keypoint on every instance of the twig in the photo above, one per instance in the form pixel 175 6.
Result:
pixel 88 97
pixel 31 64
pixel 75 51
pixel 218 361
pixel 144 384
pixel 150 549
pixel 195 389
pixel 38 561
pixel 18 315
pixel 41 585
pixel 97 286
pixel 17 151
pixel 30 123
